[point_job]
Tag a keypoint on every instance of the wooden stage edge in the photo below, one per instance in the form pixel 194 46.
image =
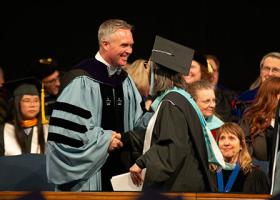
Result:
pixel 12 195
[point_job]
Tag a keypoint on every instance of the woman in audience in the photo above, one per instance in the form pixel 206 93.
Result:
pixel 139 71
pixel 258 122
pixel 200 69
pixel 244 177
pixel 23 131
pixel 204 95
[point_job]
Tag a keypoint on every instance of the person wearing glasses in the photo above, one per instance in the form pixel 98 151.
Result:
pixel 46 70
pixel 203 92
pixel 269 67
pixel 23 131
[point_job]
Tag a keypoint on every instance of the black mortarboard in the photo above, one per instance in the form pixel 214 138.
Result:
pixel 44 67
pixel 28 85
pixel 172 55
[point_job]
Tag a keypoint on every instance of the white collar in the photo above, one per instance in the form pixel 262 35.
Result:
pixel 111 69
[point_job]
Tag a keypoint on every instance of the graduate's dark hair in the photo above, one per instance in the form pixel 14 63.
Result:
pixel 166 79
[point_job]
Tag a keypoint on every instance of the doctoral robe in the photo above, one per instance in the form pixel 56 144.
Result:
pixel 78 144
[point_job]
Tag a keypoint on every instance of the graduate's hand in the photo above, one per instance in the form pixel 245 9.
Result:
pixel 136 175
pixel 115 142
pixel 117 136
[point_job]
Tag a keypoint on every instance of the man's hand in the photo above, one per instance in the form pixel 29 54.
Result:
pixel 115 142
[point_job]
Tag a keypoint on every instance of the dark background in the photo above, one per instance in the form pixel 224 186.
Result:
pixel 238 33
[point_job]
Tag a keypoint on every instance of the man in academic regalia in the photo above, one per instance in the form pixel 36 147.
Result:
pixel 97 101
pixel 46 70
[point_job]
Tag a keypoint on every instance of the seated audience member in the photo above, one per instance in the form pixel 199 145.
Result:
pixel 269 67
pixel 46 70
pixel 139 71
pixel 200 69
pixel 258 122
pixel 23 131
pixel 244 178
pixel 224 96
pixel 204 95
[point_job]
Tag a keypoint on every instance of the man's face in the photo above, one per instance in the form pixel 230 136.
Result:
pixel 119 47
pixel 270 67
pixel 52 83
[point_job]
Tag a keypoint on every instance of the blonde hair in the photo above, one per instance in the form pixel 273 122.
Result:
pixel 139 71
pixel 244 159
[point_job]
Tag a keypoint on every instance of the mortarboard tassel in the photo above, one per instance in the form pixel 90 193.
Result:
pixel 44 120
pixel 209 68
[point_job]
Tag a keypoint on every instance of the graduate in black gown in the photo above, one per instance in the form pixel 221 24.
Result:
pixel 177 160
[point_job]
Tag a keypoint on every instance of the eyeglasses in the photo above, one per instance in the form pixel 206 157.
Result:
pixel 208 101
pixel 52 81
pixel 273 70
pixel 29 101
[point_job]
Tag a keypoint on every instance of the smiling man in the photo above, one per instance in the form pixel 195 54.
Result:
pixel 97 101
pixel 269 67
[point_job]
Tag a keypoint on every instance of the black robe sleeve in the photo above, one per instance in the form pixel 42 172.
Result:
pixel 134 141
pixel 169 144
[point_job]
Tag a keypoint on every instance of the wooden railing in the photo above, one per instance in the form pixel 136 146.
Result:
pixel 131 196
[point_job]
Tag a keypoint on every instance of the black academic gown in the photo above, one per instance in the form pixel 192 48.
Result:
pixel 254 182
pixel 177 160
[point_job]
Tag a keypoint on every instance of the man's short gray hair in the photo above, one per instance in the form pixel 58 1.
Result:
pixel 107 28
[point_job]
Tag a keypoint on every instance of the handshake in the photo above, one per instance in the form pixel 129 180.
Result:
pixel 115 142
